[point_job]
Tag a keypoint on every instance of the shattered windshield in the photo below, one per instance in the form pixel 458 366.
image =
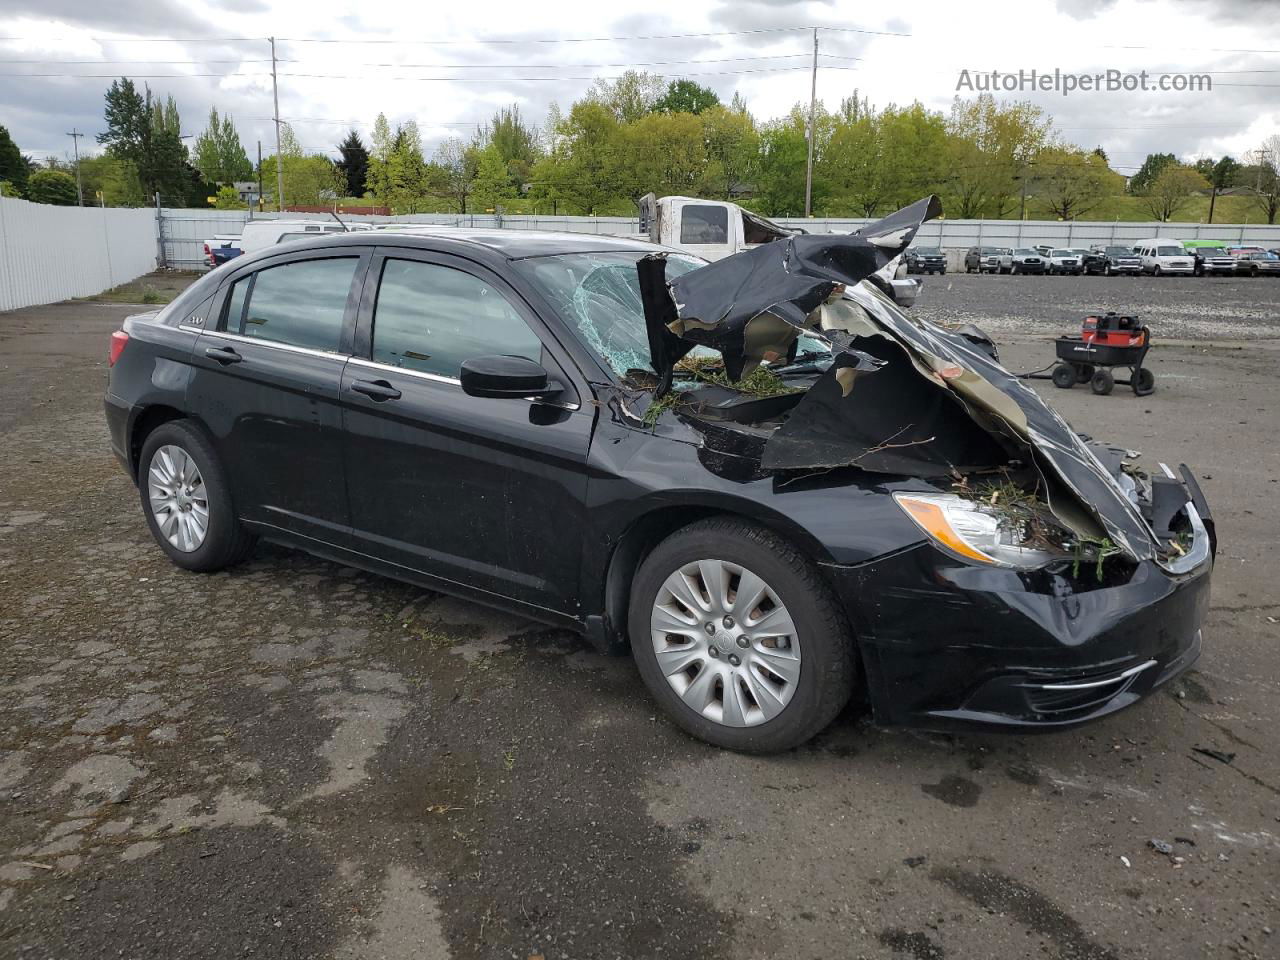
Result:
pixel 598 294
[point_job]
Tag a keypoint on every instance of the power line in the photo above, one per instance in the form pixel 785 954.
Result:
pixel 471 41
pixel 654 36
pixel 664 76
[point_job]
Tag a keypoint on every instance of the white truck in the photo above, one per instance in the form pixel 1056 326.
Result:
pixel 264 232
pixel 715 229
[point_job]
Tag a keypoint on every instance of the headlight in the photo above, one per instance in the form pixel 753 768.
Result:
pixel 972 530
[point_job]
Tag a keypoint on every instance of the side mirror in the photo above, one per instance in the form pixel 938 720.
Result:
pixel 502 377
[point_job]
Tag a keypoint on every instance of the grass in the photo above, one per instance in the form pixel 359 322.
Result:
pixel 154 288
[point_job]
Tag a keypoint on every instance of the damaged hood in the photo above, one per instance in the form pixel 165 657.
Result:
pixel 753 305
pixel 901 396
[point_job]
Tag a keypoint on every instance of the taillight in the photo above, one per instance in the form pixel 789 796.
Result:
pixel 118 341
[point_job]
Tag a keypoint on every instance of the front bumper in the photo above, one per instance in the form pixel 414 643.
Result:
pixel 948 644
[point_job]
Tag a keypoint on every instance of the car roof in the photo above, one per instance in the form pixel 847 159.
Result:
pixel 516 244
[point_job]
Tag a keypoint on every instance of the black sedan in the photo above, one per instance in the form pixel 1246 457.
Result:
pixel 582 430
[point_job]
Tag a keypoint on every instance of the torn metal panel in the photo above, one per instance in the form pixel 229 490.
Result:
pixel 871 410
pixel 752 306
pixel 1060 453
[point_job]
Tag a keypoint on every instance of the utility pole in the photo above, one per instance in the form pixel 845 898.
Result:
pixel 813 106
pixel 258 200
pixel 75 143
pixel 275 93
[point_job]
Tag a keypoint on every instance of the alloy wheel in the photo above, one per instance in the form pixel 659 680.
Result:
pixel 725 643
pixel 179 502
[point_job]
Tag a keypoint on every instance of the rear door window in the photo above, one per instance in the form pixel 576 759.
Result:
pixel 301 304
pixel 704 223
pixel 430 318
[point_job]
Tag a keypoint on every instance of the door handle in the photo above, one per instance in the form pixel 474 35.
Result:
pixel 378 390
pixel 223 355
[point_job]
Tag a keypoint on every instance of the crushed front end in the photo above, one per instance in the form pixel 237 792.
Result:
pixel 1042 579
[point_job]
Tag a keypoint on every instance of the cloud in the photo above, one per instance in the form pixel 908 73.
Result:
pixel 945 37
pixel 1084 9
pixel 136 17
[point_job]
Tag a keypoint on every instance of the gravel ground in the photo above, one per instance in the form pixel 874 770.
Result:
pixel 294 759
pixel 1183 308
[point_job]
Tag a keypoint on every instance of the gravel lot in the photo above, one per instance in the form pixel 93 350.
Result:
pixel 1185 308
pixel 294 759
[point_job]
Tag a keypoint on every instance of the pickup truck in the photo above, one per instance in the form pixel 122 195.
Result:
pixel 262 233
pixel 221 248
pixel 715 229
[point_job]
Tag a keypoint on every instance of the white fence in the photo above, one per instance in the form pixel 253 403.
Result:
pixel 50 253
pixel 186 230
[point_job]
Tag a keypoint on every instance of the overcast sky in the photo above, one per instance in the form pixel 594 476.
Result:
pixel 391 57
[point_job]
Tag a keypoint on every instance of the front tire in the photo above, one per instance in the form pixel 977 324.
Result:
pixel 187 500
pixel 738 638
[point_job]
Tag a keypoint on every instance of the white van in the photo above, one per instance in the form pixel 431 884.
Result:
pixel 260 234
pixel 1161 255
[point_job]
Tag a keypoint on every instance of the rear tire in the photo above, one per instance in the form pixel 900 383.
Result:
pixel 1103 382
pixel 820 641
pixel 172 488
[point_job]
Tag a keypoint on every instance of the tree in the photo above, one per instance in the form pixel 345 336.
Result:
pixel 1263 175
pixel 229 199
pixel 52 186
pixel 1172 186
pixel 112 182
pixel 883 160
pixel 685 96
pixel 585 168
pixel 145 133
pixel 219 155
pixel 13 166
pixel 990 146
pixel 780 178
pixel 403 178
pixel 517 144
pixel 732 147
pixel 630 96
pixel 309 180
pixel 1071 182
pixel 665 153
pixel 1220 173
pixel 455 169
pixel 492 183
pixel 1141 181
pixel 354 164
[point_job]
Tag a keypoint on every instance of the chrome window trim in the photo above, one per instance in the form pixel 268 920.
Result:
pixel 452 381
pixel 238 338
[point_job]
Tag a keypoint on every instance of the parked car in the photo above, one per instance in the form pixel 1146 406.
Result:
pixel 1262 264
pixel 471 412
pixel 1004 260
pixel 1027 260
pixel 1212 261
pixel 926 260
pixel 1112 260
pixel 1162 256
pixel 1064 261
pixel 982 259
